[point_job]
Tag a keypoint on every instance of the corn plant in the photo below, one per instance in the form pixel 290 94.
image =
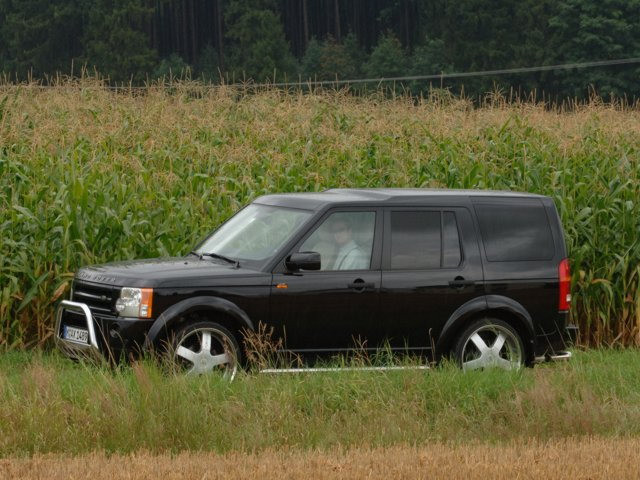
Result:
pixel 89 175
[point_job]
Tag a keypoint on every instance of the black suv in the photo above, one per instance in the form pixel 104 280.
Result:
pixel 481 276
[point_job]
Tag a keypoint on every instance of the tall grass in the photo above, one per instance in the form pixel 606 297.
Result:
pixel 89 175
pixel 48 404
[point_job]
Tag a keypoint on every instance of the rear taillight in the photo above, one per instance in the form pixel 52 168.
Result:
pixel 564 274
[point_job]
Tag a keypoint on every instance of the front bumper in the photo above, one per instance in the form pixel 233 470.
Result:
pixel 109 337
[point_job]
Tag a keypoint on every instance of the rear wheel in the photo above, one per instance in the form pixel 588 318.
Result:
pixel 489 343
pixel 204 347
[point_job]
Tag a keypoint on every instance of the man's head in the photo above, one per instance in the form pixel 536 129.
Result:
pixel 341 230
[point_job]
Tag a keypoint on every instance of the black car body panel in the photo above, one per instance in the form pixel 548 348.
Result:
pixel 416 303
pixel 396 302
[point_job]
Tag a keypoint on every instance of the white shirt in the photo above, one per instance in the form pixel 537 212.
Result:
pixel 351 257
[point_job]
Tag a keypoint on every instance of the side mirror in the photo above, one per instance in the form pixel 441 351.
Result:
pixel 303 261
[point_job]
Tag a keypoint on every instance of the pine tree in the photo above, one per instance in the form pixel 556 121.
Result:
pixel 39 37
pixel 258 48
pixel 388 59
pixel 354 52
pixel 428 59
pixel 207 66
pixel 311 64
pixel 335 62
pixel 115 42
pixel 173 66
pixel 587 30
pixel 331 60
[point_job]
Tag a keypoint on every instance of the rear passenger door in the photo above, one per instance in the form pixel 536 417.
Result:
pixel 431 266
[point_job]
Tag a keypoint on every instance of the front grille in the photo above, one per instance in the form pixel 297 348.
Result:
pixel 100 299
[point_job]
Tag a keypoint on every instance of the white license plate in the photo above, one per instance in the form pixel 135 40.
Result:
pixel 75 334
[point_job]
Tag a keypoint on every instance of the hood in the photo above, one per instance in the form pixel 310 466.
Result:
pixel 166 272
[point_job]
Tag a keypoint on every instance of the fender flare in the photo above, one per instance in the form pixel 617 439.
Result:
pixel 203 303
pixel 485 305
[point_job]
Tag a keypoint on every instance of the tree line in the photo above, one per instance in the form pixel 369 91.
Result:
pixel 266 40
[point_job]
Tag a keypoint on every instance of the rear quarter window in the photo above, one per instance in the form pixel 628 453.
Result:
pixel 515 232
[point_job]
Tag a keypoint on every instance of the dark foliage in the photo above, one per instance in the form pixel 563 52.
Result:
pixel 136 40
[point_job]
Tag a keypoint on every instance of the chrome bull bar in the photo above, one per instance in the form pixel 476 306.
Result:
pixel 74 348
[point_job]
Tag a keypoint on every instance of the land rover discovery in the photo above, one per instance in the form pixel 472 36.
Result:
pixel 480 276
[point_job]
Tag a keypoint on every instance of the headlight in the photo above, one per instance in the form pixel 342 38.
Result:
pixel 135 302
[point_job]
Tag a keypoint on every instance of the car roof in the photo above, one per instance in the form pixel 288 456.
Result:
pixel 365 196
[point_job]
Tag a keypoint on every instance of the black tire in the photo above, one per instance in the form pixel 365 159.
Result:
pixel 487 343
pixel 189 351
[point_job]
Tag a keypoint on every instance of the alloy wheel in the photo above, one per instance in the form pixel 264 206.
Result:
pixel 492 346
pixel 206 350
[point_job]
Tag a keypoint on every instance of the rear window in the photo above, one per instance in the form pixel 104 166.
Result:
pixel 515 232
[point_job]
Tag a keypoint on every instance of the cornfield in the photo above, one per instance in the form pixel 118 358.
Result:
pixel 90 175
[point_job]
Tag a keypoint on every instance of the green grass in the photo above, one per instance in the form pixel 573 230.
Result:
pixel 88 175
pixel 49 404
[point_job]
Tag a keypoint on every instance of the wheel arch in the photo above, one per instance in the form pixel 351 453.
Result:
pixel 493 306
pixel 228 313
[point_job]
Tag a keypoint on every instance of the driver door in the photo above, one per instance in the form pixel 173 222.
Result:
pixel 334 308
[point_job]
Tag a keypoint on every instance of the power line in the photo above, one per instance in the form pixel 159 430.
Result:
pixel 483 73
pixel 440 76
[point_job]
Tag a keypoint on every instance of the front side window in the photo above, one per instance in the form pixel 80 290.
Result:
pixel 344 241
pixel 255 233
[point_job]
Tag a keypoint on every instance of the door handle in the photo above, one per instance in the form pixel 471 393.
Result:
pixel 360 285
pixel 460 282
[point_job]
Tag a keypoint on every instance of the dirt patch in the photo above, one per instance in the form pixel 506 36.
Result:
pixel 577 459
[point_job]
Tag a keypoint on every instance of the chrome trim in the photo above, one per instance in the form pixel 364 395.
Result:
pixel 342 369
pixel 92 296
pixel 559 357
pixel 69 347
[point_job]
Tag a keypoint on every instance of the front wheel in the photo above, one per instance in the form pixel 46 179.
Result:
pixel 204 347
pixel 489 343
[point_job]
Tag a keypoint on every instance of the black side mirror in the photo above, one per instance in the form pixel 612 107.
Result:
pixel 303 261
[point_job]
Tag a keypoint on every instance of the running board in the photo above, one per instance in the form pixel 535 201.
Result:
pixel 342 369
pixel 559 357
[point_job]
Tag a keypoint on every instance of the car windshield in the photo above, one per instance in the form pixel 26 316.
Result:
pixel 254 234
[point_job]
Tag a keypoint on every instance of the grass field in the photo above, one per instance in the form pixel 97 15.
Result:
pixel 51 405
pixel 90 175
pixel 580 459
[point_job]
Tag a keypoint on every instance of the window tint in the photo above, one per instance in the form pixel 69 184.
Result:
pixel 451 256
pixel 344 241
pixel 415 240
pixel 518 232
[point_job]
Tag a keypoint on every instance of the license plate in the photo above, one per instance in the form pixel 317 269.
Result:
pixel 75 334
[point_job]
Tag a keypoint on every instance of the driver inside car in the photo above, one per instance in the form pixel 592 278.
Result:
pixel 349 255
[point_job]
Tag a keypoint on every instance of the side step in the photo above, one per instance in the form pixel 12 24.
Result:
pixel 559 357
pixel 343 369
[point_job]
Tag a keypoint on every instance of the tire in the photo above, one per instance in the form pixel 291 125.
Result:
pixel 189 352
pixel 489 343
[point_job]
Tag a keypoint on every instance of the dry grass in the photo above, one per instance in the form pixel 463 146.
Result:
pixel 590 458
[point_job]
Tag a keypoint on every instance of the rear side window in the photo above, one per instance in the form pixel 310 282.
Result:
pixel 423 240
pixel 515 232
